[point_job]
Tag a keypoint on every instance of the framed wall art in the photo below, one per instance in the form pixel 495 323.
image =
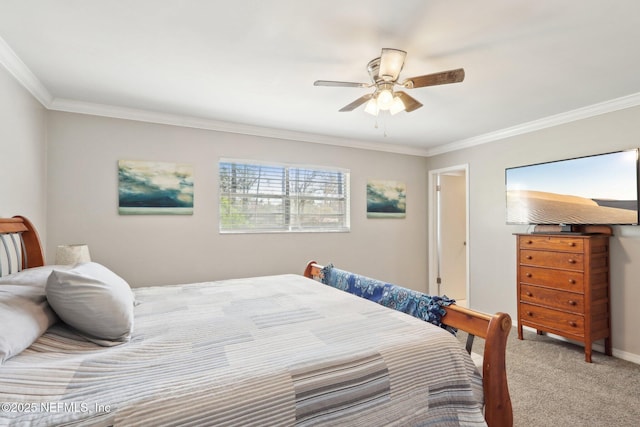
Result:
pixel 154 188
pixel 386 199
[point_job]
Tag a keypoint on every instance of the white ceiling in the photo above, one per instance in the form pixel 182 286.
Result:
pixel 249 66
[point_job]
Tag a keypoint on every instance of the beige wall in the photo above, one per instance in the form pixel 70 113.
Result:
pixel 492 259
pixel 148 250
pixel 22 153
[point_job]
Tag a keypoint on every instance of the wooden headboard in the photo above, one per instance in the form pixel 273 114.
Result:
pixel 19 242
pixel 495 330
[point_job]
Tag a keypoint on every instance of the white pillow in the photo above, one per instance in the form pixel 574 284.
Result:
pixel 24 311
pixel 36 276
pixel 93 300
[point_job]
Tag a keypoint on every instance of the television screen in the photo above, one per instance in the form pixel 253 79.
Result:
pixel 599 189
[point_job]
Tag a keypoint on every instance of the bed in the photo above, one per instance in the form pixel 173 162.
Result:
pixel 273 350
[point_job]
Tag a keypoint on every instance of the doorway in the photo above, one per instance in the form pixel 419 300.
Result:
pixel 449 233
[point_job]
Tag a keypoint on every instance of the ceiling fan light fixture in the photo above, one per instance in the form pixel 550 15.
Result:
pixel 396 106
pixel 385 99
pixel 372 107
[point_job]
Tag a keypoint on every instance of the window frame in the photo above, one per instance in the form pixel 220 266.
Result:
pixel 288 199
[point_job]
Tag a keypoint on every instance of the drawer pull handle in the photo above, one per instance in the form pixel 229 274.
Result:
pixel 572 243
pixel 573 324
pixel 571 302
pixel 529 294
pixel 572 281
pixel 529 257
pixel 529 242
pixel 529 313
pixel 571 261
pixel 528 274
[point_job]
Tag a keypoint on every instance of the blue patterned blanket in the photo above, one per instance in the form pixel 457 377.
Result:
pixel 424 307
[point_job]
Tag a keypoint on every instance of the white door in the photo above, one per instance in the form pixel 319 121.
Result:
pixel 448 236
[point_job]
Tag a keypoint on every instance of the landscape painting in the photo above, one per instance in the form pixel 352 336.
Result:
pixel 155 188
pixel 386 199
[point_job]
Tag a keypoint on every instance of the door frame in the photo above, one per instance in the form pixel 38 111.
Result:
pixel 433 232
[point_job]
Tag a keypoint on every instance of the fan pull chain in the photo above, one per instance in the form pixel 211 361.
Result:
pixel 384 126
pixel 383 120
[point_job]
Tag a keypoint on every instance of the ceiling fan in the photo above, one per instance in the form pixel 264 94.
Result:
pixel 384 72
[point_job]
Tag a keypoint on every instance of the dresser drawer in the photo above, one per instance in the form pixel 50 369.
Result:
pixel 550 319
pixel 570 261
pixel 567 301
pixel 567 244
pixel 558 279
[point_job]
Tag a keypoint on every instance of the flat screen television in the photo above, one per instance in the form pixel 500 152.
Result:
pixel 591 190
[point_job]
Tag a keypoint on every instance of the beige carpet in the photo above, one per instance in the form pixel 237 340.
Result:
pixel 551 384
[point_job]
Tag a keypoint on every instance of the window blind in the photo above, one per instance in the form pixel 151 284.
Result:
pixel 256 197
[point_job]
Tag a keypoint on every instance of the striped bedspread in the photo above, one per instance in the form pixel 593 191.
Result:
pixel 267 351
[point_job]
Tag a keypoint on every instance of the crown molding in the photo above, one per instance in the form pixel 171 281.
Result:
pixel 23 74
pixel 73 106
pixel 610 106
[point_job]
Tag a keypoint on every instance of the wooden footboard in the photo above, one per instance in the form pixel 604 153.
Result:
pixel 494 329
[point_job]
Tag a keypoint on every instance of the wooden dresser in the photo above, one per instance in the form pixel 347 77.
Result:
pixel 563 286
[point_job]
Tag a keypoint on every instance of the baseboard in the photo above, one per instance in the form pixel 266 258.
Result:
pixel 625 355
pixel 620 354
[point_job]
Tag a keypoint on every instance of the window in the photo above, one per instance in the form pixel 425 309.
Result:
pixel 257 197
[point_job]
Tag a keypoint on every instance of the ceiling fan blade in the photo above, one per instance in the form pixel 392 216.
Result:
pixel 358 102
pixel 442 78
pixel 339 84
pixel 409 102
pixel 391 63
